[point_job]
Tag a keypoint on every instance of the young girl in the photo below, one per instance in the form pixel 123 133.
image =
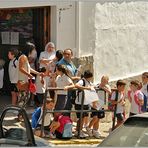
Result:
pixel 63 81
pixel 13 71
pixel 135 97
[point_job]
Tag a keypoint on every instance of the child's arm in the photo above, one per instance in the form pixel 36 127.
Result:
pixel 54 125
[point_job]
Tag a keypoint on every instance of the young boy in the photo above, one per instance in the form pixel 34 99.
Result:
pixel 37 117
pixel 135 97
pixel 144 88
pixel 118 99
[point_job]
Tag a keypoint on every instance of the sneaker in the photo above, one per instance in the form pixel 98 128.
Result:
pixel 89 131
pixel 82 134
pixel 96 134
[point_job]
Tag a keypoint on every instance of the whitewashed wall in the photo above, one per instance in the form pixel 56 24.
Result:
pixel 121 48
pixel 115 33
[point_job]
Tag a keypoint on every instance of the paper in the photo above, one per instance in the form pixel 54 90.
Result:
pixel 14 38
pixel 5 37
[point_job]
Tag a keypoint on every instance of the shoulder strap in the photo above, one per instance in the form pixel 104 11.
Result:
pixel 83 82
pixel 147 87
pixel 14 62
pixel 116 97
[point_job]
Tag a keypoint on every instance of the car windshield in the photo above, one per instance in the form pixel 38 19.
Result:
pixel 132 134
pixel 14 129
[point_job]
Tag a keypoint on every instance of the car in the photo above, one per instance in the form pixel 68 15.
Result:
pixel 133 133
pixel 14 132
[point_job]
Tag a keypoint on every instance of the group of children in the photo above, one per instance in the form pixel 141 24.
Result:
pixel 59 77
pixel 136 95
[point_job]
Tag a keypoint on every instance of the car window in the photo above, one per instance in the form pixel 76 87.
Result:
pixel 133 133
pixel 13 128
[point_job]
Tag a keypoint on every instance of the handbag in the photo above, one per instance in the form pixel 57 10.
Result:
pixel 22 85
pixel 32 87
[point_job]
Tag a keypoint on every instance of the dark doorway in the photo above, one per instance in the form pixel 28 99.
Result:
pixel 32 24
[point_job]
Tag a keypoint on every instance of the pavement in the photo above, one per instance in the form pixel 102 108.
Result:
pixel 105 125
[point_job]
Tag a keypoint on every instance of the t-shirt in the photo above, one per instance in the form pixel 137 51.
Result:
pixel 120 107
pixel 134 106
pixel 62 81
pixel 13 70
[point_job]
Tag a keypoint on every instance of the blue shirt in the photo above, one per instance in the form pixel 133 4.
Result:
pixel 70 66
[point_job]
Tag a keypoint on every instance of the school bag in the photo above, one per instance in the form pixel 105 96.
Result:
pixel 36 117
pixel 75 93
pixel 111 107
pixel 65 127
pixel 141 108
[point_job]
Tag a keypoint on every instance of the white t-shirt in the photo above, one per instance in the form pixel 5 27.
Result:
pixel 40 88
pixel 120 107
pixel 81 83
pixel 13 71
pixel 46 55
pixel 134 106
pixel 47 119
pixel 62 81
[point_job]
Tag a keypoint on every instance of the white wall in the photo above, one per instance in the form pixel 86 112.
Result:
pixel 121 48
pixel 116 33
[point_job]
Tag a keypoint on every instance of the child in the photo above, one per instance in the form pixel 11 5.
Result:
pixel 135 97
pixel 40 87
pixel 118 99
pixel 96 116
pixel 13 71
pixel 63 81
pixel 83 84
pixel 37 117
pixel 144 88
pixel 61 126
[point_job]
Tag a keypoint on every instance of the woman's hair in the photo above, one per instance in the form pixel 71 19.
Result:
pixel 29 47
pixel 49 43
pixel 59 54
pixel 63 69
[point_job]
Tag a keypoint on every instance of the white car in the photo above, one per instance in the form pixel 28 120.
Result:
pixel 133 133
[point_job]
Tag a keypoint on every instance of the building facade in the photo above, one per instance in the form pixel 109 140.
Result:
pixel 108 36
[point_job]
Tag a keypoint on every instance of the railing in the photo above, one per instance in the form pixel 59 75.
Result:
pixel 69 111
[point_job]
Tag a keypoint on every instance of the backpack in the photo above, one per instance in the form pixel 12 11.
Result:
pixel 111 107
pixel 75 93
pixel 36 116
pixel 141 108
pixel 65 127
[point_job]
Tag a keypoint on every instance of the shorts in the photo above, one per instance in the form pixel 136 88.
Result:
pixel 13 87
pixel 61 102
pixel 100 113
pixel 120 117
pixel 78 107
